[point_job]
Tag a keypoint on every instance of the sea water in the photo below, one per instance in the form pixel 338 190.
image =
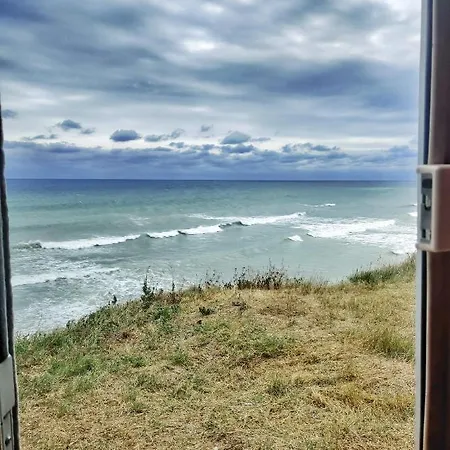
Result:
pixel 77 243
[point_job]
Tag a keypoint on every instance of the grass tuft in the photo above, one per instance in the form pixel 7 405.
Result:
pixel 386 273
pixel 278 387
pixel 389 342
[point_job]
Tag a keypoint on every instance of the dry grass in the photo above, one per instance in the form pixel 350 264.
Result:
pixel 298 366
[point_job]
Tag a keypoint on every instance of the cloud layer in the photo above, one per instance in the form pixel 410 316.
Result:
pixel 211 161
pixel 278 74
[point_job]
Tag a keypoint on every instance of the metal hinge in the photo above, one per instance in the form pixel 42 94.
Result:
pixel 7 403
pixel 434 208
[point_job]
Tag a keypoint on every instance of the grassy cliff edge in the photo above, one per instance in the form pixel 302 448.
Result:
pixel 262 362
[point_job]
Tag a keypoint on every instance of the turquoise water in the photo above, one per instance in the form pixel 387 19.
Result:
pixel 75 244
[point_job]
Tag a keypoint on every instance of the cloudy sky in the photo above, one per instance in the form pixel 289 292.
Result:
pixel 226 89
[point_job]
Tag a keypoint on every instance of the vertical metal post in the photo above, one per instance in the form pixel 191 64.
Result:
pixel 433 360
pixel 4 331
pixel 8 292
pixel 9 425
pixel 421 257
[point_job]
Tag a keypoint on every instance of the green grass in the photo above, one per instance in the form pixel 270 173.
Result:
pixel 387 341
pixel 385 274
pixel 260 362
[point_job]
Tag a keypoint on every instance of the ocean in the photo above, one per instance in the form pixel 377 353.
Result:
pixel 77 243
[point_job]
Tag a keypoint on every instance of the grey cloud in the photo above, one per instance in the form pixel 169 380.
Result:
pixel 156 137
pixel 91 49
pixel 403 151
pixel 164 137
pixel 260 139
pixel 235 137
pixel 398 154
pixel 124 136
pixel 307 147
pixel 206 128
pixel 177 144
pixel 176 133
pixel 373 84
pixel 9 114
pixel 42 149
pixel 41 137
pixel 69 124
pixel 239 149
pixel 203 147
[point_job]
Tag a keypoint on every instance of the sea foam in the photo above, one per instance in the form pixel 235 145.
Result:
pixel 342 229
pixel 23 280
pixel 187 231
pixel 321 205
pixel 251 220
pixel 225 222
pixel 202 230
pixel 163 234
pixel 295 238
pixel 79 243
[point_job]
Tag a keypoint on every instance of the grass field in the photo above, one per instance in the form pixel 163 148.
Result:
pixel 262 362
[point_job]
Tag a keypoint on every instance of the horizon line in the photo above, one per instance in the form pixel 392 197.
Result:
pixel 216 179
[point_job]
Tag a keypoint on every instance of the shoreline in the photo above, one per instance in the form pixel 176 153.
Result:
pixel 247 275
pixel 236 366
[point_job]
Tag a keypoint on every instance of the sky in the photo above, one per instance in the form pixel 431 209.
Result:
pixel 193 89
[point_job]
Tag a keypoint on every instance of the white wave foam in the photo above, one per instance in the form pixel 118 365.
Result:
pixel 295 238
pixel 203 216
pixel 413 214
pixel 322 205
pixel 401 252
pixel 195 230
pixel 251 220
pixel 269 219
pixel 231 224
pixel 202 230
pixel 163 234
pixel 140 221
pixel 385 234
pixel 23 280
pixel 80 243
pixel 397 243
pixel 344 229
pixel 29 245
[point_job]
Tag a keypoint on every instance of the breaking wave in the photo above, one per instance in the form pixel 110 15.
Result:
pixel 251 220
pixel 163 234
pixel 322 205
pixel 191 231
pixel 202 230
pixel 79 243
pixel 23 280
pixel 226 222
pixel 343 229
pixel 295 238
pixel 386 234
